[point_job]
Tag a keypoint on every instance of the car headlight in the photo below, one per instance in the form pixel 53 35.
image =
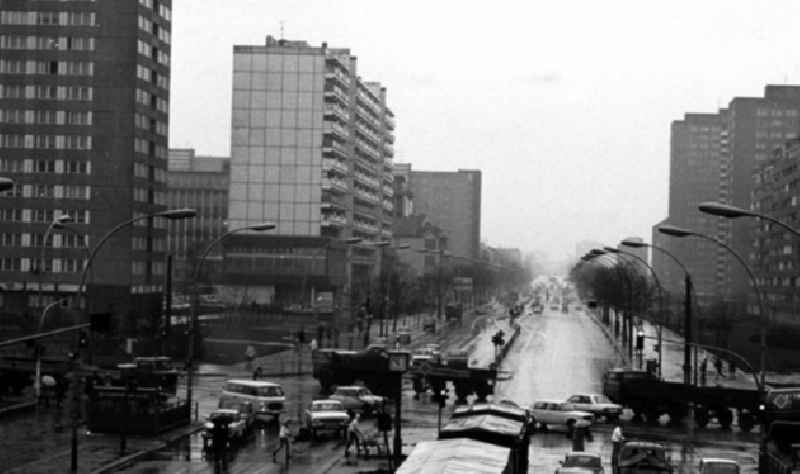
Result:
pixel 209 426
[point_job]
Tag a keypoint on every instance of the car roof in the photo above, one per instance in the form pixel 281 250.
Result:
pixel 253 383
pixel 549 401
pixel 719 460
pixel 326 400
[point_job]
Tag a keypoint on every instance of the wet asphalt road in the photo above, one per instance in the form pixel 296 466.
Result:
pixel 557 355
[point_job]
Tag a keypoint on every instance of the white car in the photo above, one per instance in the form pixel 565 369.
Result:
pixel 598 405
pixel 326 415
pixel 551 413
pixel 357 398
pixel 718 466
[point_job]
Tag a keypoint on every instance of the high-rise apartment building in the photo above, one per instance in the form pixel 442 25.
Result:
pixel 311 151
pixel 84 102
pixel 774 257
pixel 697 166
pixel 756 127
pixel 200 183
pixel 452 201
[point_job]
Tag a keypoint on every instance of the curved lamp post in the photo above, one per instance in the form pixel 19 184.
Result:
pixel 600 254
pixel 660 294
pixel 680 232
pixel 687 307
pixel 172 214
pixel 732 212
pixel 192 326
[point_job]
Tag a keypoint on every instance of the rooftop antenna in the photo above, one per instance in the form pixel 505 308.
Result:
pixel 282 24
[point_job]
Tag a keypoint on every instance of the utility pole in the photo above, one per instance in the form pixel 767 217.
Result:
pixel 687 330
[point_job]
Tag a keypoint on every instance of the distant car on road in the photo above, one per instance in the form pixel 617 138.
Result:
pixel 551 413
pixel 597 404
pixel 581 462
pixel 718 466
pixel 326 415
pixel 357 398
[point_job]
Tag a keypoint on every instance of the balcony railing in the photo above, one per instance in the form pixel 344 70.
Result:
pixel 366 196
pixel 334 220
pixel 387 205
pixel 388 191
pixel 368 150
pixel 339 76
pixel 338 111
pixel 335 129
pixel 338 94
pixel 366 180
pixel 329 164
pixel 389 121
pixel 388 149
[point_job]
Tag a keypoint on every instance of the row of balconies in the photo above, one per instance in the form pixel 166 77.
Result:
pixel 368 150
pixel 369 134
pixel 389 121
pixel 336 148
pixel 388 206
pixel 365 114
pixel 388 191
pixel 367 100
pixel 338 75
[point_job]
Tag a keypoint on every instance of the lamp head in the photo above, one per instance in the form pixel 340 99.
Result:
pixel 176 214
pixel 64 219
pixel 674 231
pixel 723 210
pixel 262 226
pixel 633 243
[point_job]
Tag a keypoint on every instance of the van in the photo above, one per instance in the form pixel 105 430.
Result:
pixel 267 398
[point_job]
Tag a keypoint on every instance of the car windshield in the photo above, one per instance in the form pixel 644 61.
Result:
pixel 582 461
pixel 720 468
pixel 640 453
pixel 327 406
pixel 270 391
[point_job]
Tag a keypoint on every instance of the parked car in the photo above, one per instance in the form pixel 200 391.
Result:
pixel 357 398
pixel 267 398
pixel 642 457
pixel 239 417
pixel 598 405
pixel 581 462
pixel 551 413
pixel 718 466
pixel 326 415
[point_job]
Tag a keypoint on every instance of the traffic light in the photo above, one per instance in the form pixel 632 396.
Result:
pixel 639 342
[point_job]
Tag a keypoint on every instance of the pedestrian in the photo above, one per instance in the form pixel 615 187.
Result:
pixel 283 442
pixel 718 365
pixel 258 373
pixel 616 442
pixel 353 436
pixel 703 371
pixel 579 435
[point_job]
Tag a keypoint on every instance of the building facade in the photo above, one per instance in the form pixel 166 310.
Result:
pixel 200 183
pixel 774 258
pixel 451 200
pixel 312 147
pixel 84 102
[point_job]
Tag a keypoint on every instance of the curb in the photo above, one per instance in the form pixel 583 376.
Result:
pixel 117 464
pixel 19 407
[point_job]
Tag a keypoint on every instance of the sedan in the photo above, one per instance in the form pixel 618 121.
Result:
pixel 547 413
pixel 357 398
pixel 597 404
pixel 326 415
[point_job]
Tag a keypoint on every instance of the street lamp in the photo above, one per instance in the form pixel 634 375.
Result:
pixel 732 212
pixel 169 214
pixel 192 326
pixel 627 321
pixel 680 232
pixel 687 307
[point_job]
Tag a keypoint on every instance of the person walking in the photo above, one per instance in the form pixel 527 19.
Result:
pixel 353 436
pixel 616 442
pixel 718 366
pixel 258 373
pixel 284 443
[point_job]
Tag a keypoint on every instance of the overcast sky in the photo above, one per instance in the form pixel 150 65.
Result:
pixel 565 106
